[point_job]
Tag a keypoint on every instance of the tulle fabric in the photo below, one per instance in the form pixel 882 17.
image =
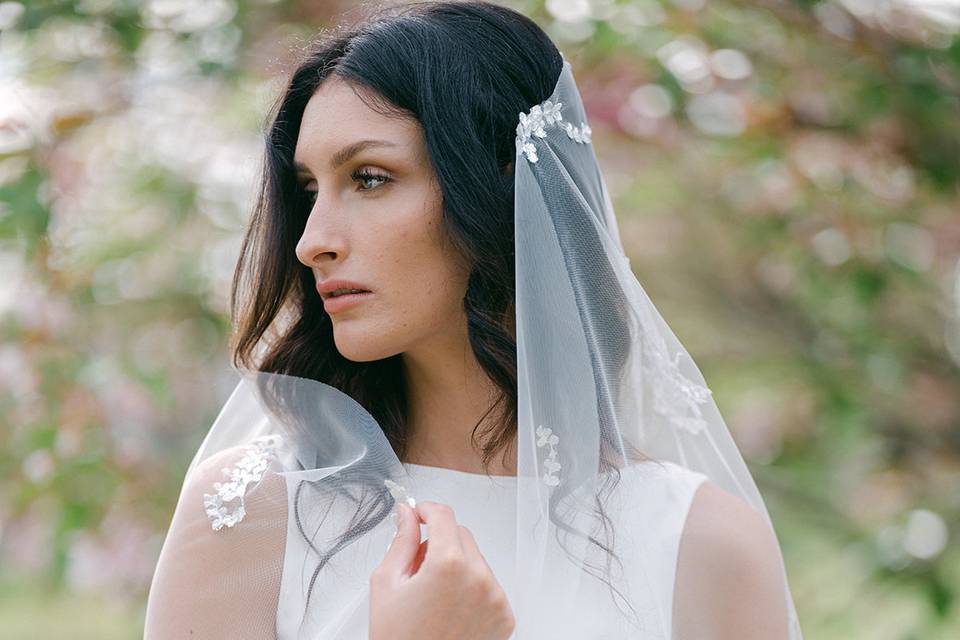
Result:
pixel 603 385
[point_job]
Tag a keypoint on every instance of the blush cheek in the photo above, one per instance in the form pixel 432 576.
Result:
pixel 422 285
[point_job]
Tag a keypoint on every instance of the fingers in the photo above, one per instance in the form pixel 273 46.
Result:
pixel 404 549
pixel 442 531
pixel 446 541
pixel 418 558
pixel 470 549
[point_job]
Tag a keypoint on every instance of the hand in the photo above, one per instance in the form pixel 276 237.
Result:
pixel 446 591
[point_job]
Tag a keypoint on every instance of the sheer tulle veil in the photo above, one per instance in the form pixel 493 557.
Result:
pixel 603 385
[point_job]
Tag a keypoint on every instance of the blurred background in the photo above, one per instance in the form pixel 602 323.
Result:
pixel 786 175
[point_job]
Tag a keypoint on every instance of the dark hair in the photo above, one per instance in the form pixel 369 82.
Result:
pixel 464 70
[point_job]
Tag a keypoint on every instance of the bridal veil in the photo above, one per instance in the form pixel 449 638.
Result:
pixel 603 384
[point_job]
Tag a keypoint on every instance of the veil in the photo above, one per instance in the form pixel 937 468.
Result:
pixel 284 507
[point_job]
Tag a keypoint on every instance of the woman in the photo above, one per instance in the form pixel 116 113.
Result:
pixel 432 304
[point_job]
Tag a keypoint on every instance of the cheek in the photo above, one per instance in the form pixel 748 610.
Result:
pixel 424 272
pixel 420 278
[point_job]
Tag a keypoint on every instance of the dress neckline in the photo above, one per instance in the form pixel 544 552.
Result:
pixel 416 469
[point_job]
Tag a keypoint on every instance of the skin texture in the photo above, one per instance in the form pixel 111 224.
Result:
pixel 384 232
pixel 729 584
pixel 446 576
pixel 200 570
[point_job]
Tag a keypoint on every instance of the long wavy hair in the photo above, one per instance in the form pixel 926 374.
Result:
pixel 463 70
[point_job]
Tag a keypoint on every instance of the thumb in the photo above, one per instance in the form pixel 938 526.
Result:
pixel 403 549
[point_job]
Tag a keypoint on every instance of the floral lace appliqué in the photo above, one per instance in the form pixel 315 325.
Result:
pixel 249 468
pixel 675 396
pixel 536 121
pixel 546 437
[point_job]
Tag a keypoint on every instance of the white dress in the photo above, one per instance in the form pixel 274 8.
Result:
pixel 648 510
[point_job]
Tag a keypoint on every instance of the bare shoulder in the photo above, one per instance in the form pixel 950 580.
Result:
pixel 719 521
pixel 243 471
pixel 729 579
pixel 211 468
pixel 191 594
pixel 213 465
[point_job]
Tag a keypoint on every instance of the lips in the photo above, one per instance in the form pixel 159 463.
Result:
pixel 347 293
pixel 337 304
pixel 326 287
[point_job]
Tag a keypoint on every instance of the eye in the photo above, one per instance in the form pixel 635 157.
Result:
pixel 359 175
pixel 364 176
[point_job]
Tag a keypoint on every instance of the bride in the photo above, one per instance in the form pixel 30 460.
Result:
pixel 458 414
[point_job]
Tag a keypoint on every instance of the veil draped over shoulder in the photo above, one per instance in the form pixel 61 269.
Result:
pixel 284 507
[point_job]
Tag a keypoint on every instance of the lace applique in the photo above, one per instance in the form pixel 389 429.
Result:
pixel 675 396
pixel 545 437
pixel 534 123
pixel 249 468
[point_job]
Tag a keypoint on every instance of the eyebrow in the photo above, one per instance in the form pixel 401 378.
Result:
pixel 348 152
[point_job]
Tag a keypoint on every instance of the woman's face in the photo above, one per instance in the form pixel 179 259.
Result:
pixel 376 221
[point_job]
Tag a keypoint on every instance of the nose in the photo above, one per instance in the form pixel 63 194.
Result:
pixel 320 242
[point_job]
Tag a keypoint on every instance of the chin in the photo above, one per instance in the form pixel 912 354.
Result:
pixel 358 345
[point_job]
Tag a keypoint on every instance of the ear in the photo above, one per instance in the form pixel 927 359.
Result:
pixel 508 168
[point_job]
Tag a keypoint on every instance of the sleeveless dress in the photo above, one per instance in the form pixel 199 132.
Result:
pixel 648 509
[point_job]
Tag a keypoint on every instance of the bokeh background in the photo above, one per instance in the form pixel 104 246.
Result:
pixel 786 175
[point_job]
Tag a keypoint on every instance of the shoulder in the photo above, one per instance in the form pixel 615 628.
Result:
pixel 239 474
pixel 253 456
pixel 210 468
pixel 187 595
pixel 729 570
pixel 719 521
pixel 664 479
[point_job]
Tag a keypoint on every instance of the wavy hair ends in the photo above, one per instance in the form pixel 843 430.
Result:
pixel 463 70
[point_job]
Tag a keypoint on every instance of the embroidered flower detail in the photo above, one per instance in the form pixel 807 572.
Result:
pixel 536 121
pixel 249 468
pixel 580 135
pixel 675 396
pixel 546 437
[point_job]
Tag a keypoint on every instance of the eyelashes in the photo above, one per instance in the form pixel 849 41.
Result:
pixel 362 176
pixel 359 176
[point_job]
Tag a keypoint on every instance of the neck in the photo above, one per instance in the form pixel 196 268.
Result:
pixel 448 393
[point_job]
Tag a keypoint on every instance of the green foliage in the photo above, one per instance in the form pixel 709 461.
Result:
pixel 792 212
